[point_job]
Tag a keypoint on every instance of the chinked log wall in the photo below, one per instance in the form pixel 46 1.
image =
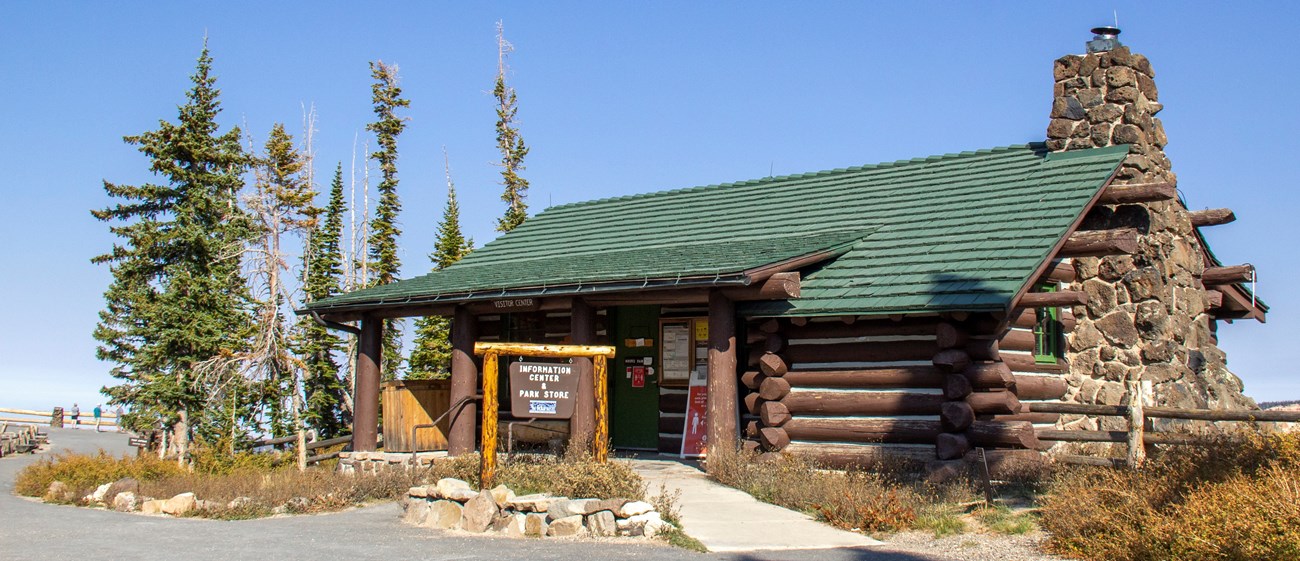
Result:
pixel 851 392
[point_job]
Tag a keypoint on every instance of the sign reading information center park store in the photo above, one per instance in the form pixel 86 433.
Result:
pixel 542 390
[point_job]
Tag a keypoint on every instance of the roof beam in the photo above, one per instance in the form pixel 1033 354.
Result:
pixel 1227 275
pixel 1052 299
pixel 1137 193
pixel 1212 217
pixel 1095 243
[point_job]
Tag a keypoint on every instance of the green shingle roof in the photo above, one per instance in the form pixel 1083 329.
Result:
pixel 956 232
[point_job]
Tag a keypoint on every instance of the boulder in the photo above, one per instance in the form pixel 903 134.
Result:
pixel 452 489
pixel 535 525
pixel 125 502
pixel 418 491
pixel 416 511
pixel 567 526
pixel 297 504
pixel 654 528
pixel 479 513
pixel 180 504
pixel 633 508
pixel 58 491
pixel 240 502
pixel 152 506
pixel 443 515
pixel 100 493
pixel 510 524
pixel 602 524
pixel 636 524
pixel 502 495
pixel 533 503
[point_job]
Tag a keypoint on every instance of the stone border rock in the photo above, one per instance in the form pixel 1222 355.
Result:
pixel 451 504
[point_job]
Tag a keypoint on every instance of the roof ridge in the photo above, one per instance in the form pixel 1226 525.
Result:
pixel 805 175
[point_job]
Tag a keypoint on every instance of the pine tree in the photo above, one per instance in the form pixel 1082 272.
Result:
pixel 322 272
pixel 431 357
pixel 177 297
pixel 510 143
pixel 384 231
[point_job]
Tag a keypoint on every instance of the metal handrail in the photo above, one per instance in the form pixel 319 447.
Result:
pixel 415 449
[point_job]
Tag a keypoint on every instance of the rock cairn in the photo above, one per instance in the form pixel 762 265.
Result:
pixel 450 504
pixel 1146 317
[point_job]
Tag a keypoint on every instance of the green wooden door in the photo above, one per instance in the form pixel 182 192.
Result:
pixel 634 411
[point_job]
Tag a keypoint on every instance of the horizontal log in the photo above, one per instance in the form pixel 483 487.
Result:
pixel 672 402
pixel 773 389
pixel 1137 193
pixel 773 413
pixel 1019 340
pixel 1222 415
pixel 1080 409
pixel 956 387
pixel 893 431
pixel 771 364
pixel 752 379
pixel 753 336
pixel 1227 275
pixel 951 360
pixel 1040 387
pixel 1026 363
pixel 1024 416
pixel 672 425
pixel 1060 271
pixel 1016 434
pixel 892 377
pixel 860 456
pixel 983 348
pixel 956 416
pixel 548 351
pixel 751 446
pixel 752 403
pixel 772 325
pixel 1211 217
pixel 951 446
pixel 1097 243
pixel 862 403
pixel 774 343
pixel 774 439
pixel 670 444
pixel 950 336
pixel 779 286
pixel 1116 436
pixel 1075 459
pixel 994 402
pixel 868 328
pixel 1027 318
pixel 987 375
pixel 1056 299
pixel 853 352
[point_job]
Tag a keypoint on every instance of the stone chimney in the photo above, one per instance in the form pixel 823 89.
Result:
pixel 1147 316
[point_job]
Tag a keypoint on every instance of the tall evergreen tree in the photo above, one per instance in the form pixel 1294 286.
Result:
pixel 510 142
pixel 384 230
pixel 322 273
pixel 177 297
pixel 431 357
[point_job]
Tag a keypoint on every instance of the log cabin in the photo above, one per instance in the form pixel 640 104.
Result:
pixel 906 309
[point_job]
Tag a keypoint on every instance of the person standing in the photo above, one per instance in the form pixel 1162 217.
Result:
pixel 99 413
pixel 76 414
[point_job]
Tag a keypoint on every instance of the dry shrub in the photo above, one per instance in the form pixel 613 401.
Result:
pixel 574 474
pixel 881 501
pixel 82 473
pixel 1233 497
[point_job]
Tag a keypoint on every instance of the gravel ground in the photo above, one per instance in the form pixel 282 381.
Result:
pixel 34 530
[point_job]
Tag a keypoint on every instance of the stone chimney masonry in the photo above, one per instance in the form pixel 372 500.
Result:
pixel 1148 315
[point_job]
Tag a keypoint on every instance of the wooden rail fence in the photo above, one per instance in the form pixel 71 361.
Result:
pixel 57 417
pixel 1138 412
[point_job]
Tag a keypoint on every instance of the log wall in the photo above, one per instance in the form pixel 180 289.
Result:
pixel 859 391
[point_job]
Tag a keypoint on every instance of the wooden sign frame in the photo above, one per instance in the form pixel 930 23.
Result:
pixel 600 355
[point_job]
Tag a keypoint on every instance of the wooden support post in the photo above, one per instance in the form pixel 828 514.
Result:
pixel 488 460
pixel 601 378
pixel 464 383
pixel 582 329
pixel 721 411
pixel 1137 392
pixel 365 415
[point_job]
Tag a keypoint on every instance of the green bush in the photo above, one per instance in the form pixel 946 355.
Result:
pixel 1232 497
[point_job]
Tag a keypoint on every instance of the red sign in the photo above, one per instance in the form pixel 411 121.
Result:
pixel 638 376
pixel 695 440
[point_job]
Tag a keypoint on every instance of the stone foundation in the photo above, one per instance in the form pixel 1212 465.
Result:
pixel 374 462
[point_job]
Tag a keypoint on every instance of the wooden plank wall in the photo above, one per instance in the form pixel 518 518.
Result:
pixel 408 403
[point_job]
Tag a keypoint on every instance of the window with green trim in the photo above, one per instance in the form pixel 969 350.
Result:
pixel 1047 331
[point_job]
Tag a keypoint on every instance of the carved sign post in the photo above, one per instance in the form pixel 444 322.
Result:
pixel 600 355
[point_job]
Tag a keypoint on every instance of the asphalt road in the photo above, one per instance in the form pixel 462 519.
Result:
pixel 34 530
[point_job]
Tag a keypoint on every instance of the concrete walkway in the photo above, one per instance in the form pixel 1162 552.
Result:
pixel 727 520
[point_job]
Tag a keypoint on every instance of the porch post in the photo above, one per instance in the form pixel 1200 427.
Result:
pixel 365 417
pixel 464 383
pixel 721 413
pixel 582 330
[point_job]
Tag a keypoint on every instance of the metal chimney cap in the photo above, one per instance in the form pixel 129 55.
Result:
pixel 1105 31
pixel 1105 39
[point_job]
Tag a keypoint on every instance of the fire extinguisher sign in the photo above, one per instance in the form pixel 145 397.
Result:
pixel 695 440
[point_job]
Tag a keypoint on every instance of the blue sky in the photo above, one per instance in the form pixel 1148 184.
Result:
pixel 615 98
